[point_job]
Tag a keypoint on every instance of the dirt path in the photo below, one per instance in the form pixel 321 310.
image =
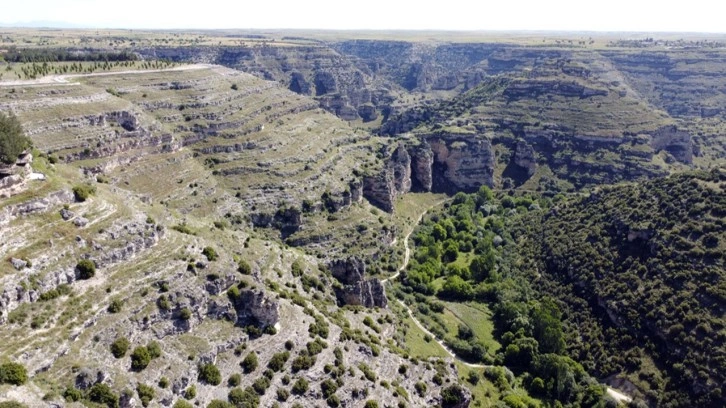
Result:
pixel 65 79
pixel 407 253
pixel 404 264
pixel 615 394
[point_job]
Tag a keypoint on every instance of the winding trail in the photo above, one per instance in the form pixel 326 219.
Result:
pixel 404 264
pixel 615 394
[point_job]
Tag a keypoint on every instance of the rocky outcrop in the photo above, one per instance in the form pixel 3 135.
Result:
pixel 299 84
pixel 422 161
pixel 400 164
pixel 524 157
pixel 676 142
pixel 368 293
pixel 356 290
pixel 287 220
pixel 348 271
pixel 253 307
pixel 380 190
pixel 441 163
pixel 535 88
pixel 13 176
pixel 36 206
pixel 461 162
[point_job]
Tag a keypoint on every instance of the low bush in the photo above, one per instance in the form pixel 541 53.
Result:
pixel 86 269
pixel 119 347
pixel 13 373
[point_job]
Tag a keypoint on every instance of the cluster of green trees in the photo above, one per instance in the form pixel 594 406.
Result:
pixel 647 262
pixel 40 55
pixel 475 228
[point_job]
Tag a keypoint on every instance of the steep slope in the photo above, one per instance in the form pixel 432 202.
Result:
pixel 640 268
pixel 161 276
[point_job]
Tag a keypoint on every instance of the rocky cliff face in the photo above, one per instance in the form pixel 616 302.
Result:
pixel 254 307
pixel 440 163
pixel 357 290
pixel 524 157
pixel 461 162
pixel 13 176
pixel 676 142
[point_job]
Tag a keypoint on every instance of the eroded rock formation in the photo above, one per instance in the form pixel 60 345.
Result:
pixel 356 290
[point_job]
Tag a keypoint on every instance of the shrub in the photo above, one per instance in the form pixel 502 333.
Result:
pixel 328 387
pixel 371 404
pixel 115 306
pixel 296 269
pixel 140 358
pixel 83 191
pixel 13 373
pixel 278 360
pixel 184 229
pixel 191 392
pixel 219 404
pixel 185 314
pixel 333 401
pixel 119 347
pixel 249 364
pixel 300 387
pixel 452 396
pixel 154 349
pixel 12 404
pixel 72 394
pixel 60 290
pixel 86 269
pixel 163 382
pixel 102 394
pixel 316 347
pixel 244 267
pixel 182 404
pixel 261 385
pixel 303 362
pixel 367 372
pixel 282 394
pixel 234 87
pixel 146 394
pixel 209 373
pixel 420 388
pixel 210 253
pixel 243 398
pixel 234 380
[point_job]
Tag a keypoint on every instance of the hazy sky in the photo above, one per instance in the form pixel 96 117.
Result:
pixel 603 15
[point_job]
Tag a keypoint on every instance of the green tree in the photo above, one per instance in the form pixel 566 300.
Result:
pixel 481 266
pixel 12 139
pixel 452 396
